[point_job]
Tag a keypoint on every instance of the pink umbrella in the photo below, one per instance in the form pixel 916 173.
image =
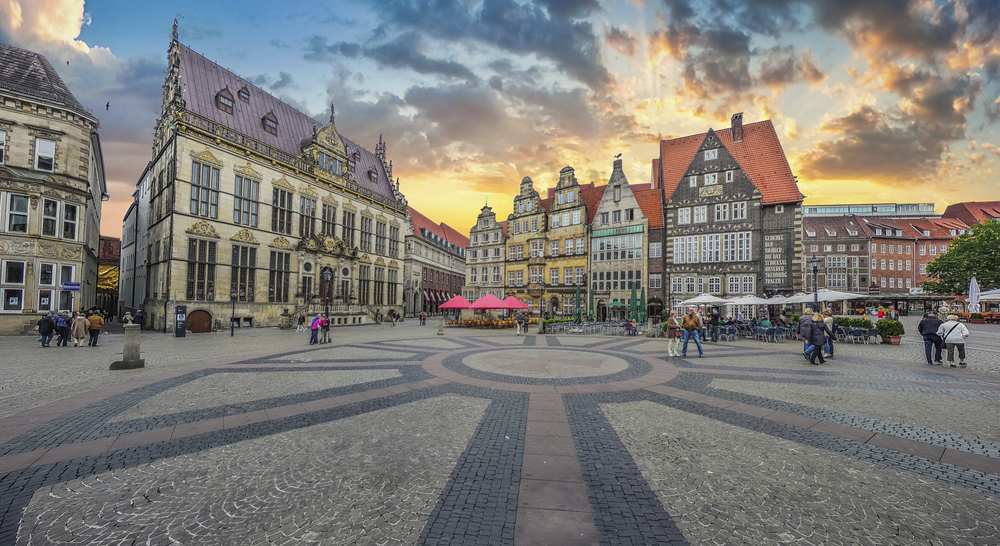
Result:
pixel 513 303
pixel 489 301
pixel 458 302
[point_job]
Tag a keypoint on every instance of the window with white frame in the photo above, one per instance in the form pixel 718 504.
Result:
pixel 45 154
pixel 565 219
pixel 580 248
pixel 923 269
pixel 908 266
pixel 740 211
pixel 569 275
pixel 855 248
pixel 676 284
pixel 734 284
pixel 827 248
pixel 517 228
pixel 729 176
pixel 689 285
pixel 496 274
pixel 836 280
pixel 554 248
pixel 555 221
pixel 892 282
pixel 569 246
pixel 743 250
pixel 496 236
pixel 655 250
pixel 711 178
pixel 722 212
pixel 944 248
pixel 841 248
pixel 712 154
pixel 576 217
pixel 748 284
pixel 680 254
pixel 700 214
pixel 684 215
pixel 534 224
pixel 693 181
pixel 562 198
pixel 17 213
pixel 554 275
pixel 714 285
pixel 710 248
pixel 883 282
pixel 475 254
pixel 510 278
pixel 473 276
pixel 12 284
pixel 874 247
pixel 50 217
pixel 813 248
pixel 475 238
pixel 655 280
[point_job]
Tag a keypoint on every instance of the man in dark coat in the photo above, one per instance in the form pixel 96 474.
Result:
pixel 802 327
pixel 46 326
pixel 928 328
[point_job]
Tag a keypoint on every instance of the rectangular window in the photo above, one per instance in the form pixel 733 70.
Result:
pixel 576 216
pixel 714 285
pixel 711 154
pixel 923 269
pixel 565 219
pixel 475 254
pixel 347 226
pixel 496 274
pixel 722 212
pixel 743 250
pixel 883 248
pixel 655 250
pixel 554 275
pixel 554 249
pixel 568 276
pixel 734 285
pixel 655 280
pixel 684 215
pixel 244 266
pixel 748 285
pixel 700 214
pixel 17 213
pixel 569 246
pixel 510 278
pixel 473 275
pixel 328 221
pixel 534 224
pixel 740 211
pixel 693 181
pixel 379 295
pixel 692 249
pixel 874 247
pixel 729 176
pixel 892 282
pixel 69 222
pixel 933 250
pixel 245 201
pixel 680 256
pixel 729 245
pixel 710 248
pixel 616 216
pixel 604 217
pixel 922 250
pixel 555 221
pixel 307 217
pixel 281 213
pixel 579 275
pixel 50 217
pixel 496 252
pixel 944 248
pixel 676 284
pixel 517 228
pixel 201 270
pixel 520 278
pixel 380 237
pixel 45 155
pixel 365 284
pixel 3 145
pixel 204 190
pixel 711 178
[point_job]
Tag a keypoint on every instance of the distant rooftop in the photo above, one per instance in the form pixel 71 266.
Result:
pixel 892 210
pixel 29 73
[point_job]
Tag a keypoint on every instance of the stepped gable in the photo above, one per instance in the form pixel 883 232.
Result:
pixel 30 73
pixel 759 154
pixel 202 79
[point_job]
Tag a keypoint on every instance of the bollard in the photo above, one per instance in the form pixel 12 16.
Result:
pixel 130 352
pixel 441 326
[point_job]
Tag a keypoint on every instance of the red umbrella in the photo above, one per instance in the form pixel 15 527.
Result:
pixel 458 302
pixel 513 303
pixel 489 301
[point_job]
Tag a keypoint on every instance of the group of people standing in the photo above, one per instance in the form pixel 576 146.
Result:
pixel 320 328
pixel 816 330
pixel 939 334
pixel 79 327
pixel 687 327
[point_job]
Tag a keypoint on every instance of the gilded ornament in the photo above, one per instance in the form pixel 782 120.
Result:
pixel 281 242
pixel 206 157
pixel 245 236
pixel 283 184
pixel 204 229
pixel 248 172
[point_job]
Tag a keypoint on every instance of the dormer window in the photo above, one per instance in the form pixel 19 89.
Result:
pixel 899 233
pixel 878 231
pixel 831 233
pixel 244 94
pixel 352 161
pixel 810 233
pixel 270 123
pixel 372 174
pixel 224 100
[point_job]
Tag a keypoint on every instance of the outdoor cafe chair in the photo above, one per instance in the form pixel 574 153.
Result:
pixel 872 336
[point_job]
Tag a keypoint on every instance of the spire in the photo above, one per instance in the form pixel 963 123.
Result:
pixel 388 170
pixel 173 34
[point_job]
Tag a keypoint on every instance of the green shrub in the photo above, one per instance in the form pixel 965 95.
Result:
pixel 977 316
pixel 795 319
pixel 887 328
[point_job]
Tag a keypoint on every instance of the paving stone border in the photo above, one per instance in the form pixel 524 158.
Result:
pixel 636 368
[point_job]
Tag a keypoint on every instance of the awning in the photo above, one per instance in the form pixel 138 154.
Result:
pixel 425 296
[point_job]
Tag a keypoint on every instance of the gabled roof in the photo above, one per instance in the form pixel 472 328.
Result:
pixel 655 176
pixel 592 197
pixel 503 228
pixel 973 211
pixel 937 228
pixel 29 73
pixel 453 236
pixel 446 233
pixel 651 206
pixel 949 223
pixel 202 79
pixel 760 155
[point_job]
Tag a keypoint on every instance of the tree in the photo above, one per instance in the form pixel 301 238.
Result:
pixel 976 253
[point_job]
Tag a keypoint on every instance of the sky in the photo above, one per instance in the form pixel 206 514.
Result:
pixel 873 100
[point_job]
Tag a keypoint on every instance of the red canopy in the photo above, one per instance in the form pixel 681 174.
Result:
pixel 513 303
pixel 489 301
pixel 458 302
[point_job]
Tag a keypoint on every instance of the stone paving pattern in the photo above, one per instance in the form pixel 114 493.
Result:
pixel 399 436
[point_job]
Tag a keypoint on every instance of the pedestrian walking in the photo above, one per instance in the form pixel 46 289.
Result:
pixel 46 327
pixel 831 326
pixel 691 328
pixel 713 325
pixel 79 329
pixel 673 335
pixel 62 326
pixel 96 322
pixel 954 334
pixel 127 319
pixel 302 323
pixel 802 329
pixel 817 338
pixel 138 318
pixel 315 327
pixel 423 318
pixel 520 324
pixel 928 327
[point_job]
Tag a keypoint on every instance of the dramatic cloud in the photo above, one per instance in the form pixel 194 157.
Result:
pixel 570 8
pixel 780 66
pixel 401 53
pixel 621 39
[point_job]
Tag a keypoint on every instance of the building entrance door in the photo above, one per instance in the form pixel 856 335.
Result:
pixel 200 322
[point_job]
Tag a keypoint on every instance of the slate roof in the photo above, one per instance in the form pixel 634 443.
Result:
pixel 973 211
pixel 651 206
pixel 760 155
pixel 29 73
pixel 202 79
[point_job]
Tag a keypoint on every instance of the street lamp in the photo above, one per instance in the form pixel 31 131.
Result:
pixel 232 317
pixel 814 261
pixel 327 276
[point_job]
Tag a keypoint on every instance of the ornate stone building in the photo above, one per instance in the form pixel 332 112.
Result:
pixel 566 236
pixel 733 213
pixel 255 208
pixel 51 187
pixel 526 247
pixel 618 239
pixel 485 257
pixel 435 264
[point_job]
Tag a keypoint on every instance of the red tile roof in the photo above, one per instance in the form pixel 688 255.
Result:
pixel 454 236
pixel 652 208
pixel 503 227
pixel 973 211
pixel 759 154
pixel 442 230
pixel 938 229
pixel 592 197
pixel 655 179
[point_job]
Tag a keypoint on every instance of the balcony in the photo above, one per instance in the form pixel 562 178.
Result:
pixel 536 260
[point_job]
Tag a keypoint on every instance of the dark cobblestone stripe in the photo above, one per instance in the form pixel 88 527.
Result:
pixel 626 510
pixel 90 422
pixel 478 506
pixel 987 484
pixel 16 488
pixel 488 341
pixel 699 383
pixel 415 355
pixel 636 368
pixel 553 341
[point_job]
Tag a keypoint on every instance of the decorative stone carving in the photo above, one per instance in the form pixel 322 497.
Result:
pixel 245 236
pixel 17 246
pixel 367 213
pixel 329 200
pixel 203 229
pixel 248 172
pixel 366 259
pixel 306 191
pixel 380 217
pixel 206 157
pixel 283 184
pixel 59 250
pixel 281 242
pixel 394 264
pixel 348 206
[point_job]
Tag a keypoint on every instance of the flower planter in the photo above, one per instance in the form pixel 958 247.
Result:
pixel 894 340
pixel 977 321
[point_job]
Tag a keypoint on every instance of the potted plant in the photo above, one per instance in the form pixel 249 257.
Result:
pixel 977 318
pixel 891 331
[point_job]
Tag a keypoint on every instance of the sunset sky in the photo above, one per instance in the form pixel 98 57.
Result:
pixel 874 100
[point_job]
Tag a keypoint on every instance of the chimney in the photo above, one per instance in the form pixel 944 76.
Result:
pixel 737 127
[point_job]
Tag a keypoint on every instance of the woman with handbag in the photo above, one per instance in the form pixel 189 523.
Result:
pixel 673 327
pixel 953 334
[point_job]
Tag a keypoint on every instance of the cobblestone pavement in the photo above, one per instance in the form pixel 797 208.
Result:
pixel 398 436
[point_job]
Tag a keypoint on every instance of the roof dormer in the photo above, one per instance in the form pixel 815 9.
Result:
pixel 224 100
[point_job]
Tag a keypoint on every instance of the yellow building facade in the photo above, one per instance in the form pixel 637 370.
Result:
pixel 526 246
pixel 566 252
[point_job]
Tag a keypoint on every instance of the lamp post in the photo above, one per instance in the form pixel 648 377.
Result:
pixel 232 317
pixel 814 261
pixel 327 276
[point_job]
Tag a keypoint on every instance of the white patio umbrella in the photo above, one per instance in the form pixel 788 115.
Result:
pixel 974 296
pixel 705 298
pixel 749 300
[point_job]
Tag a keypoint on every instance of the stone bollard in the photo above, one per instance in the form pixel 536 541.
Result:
pixel 441 326
pixel 130 353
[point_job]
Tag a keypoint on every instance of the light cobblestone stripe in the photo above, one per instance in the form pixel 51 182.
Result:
pixel 730 485
pixel 368 479
pixel 699 383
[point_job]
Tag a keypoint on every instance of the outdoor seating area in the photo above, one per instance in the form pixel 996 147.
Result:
pixel 608 328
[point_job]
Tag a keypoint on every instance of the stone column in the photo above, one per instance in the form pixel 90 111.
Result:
pixel 130 353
